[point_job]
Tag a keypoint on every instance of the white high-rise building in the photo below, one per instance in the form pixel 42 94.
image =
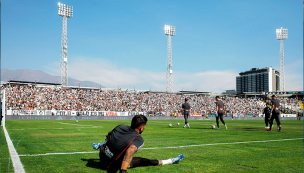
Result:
pixel 258 80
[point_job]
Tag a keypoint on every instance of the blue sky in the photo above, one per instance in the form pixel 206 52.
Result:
pixel 122 43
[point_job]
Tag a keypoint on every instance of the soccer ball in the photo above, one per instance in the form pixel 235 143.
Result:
pixel 170 125
pixel 213 126
pixel 178 124
pixel 76 121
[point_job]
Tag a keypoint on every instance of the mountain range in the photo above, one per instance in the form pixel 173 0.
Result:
pixel 40 76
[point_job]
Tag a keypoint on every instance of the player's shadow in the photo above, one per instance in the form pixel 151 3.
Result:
pixel 249 129
pixel 93 163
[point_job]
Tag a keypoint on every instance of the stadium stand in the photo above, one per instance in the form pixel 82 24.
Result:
pixel 76 99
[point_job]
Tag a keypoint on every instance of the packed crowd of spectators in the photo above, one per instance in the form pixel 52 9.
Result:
pixel 291 104
pixel 32 98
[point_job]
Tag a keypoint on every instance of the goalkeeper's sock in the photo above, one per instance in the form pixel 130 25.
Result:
pixel 173 160
pixel 167 162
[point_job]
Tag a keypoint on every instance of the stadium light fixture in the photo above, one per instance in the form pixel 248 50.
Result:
pixel 65 12
pixel 169 31
pixel 282 34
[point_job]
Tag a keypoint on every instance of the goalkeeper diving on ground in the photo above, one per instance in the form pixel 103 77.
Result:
pixel 121 145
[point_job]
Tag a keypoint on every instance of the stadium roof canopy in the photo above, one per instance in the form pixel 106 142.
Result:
pixel 194 92
pixel 16 82
pixel 163 92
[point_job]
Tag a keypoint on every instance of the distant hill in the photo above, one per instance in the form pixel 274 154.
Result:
pixel 40 76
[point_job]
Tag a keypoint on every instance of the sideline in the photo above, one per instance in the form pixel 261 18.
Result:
pixel 230 143
pixel 18 167
pixel 76 124
pixel 58 128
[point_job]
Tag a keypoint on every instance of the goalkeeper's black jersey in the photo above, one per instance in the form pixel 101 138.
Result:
pixel 267 111
pixel 121 137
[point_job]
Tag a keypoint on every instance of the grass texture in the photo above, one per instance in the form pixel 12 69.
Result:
pixel 205 149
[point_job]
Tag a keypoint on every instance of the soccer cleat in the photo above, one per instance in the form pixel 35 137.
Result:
pixel 184 126
pixel 268 129
pixel 96 146
pixel 188 127
pixel 226 127
pixel 218 128
pixel 279 130
pixel 178 158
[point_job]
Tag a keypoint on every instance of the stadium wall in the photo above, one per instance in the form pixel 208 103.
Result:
pixel 39 117
pixel 118 114
pixel 68 117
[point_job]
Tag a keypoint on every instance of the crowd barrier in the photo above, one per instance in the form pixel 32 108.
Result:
pixel 73 113
pixel 124 114
pixel 59 117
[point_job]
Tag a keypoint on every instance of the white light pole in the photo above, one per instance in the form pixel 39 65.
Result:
pixel 282 34
pixel 169 31
pixel 66 12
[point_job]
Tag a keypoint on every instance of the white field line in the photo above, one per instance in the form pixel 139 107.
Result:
pixel 18 167
pixel 57 128
pixel 58 153
pixel 214 123
pixel 245 125
pixel 230 143
pixel 74 124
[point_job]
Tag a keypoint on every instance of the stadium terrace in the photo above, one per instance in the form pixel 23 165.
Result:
pixel 31 97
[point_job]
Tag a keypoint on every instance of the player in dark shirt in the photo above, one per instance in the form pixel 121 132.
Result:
pixel 186 111
pixel 299 116
pixel 267 112
pixel 220 107
pixel 122 143
pixel 275 113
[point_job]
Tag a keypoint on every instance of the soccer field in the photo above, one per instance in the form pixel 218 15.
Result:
pixel 65 146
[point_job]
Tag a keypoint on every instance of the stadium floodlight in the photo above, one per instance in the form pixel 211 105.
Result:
pixel 66 12
pixel 282 34
pixel 169 31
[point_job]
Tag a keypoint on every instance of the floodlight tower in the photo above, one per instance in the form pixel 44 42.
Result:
pixel 282 34
pixel 169 31
pixel 66 12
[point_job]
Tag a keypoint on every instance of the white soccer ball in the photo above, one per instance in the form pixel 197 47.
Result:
pixel 170 125
pixel 76 121
pixel 178 124
pixel 213 126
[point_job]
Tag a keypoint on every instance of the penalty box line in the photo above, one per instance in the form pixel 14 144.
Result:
pixel 229 143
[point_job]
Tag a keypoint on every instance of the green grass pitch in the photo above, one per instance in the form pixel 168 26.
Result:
pixel 223 154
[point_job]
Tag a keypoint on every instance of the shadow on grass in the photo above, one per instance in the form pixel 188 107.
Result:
pixel 93 163
pixel 250 129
